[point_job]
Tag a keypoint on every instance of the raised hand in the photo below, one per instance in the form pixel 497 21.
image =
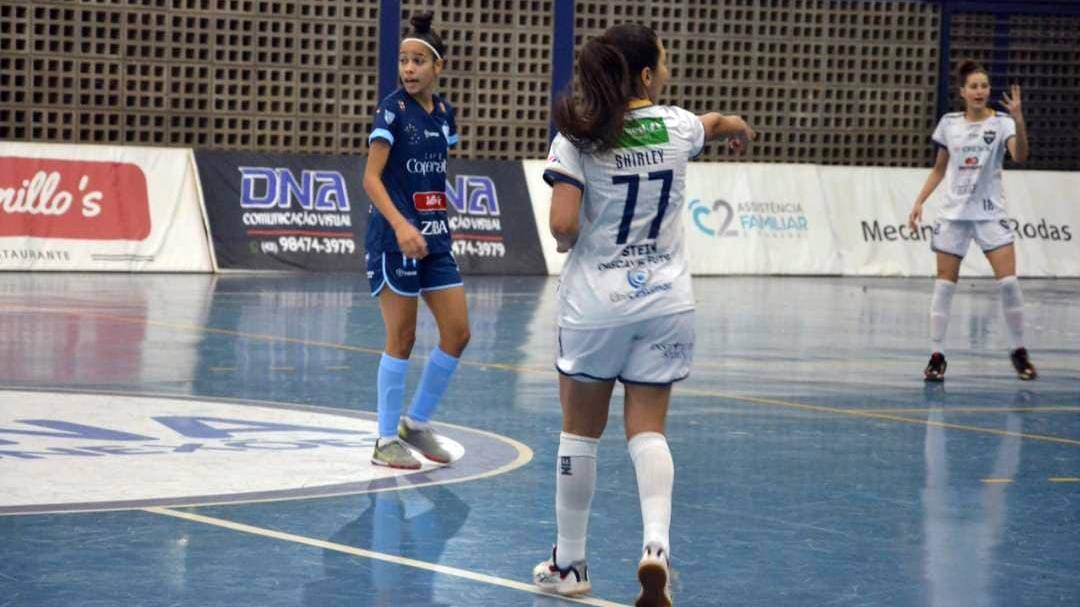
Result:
pixel 1011 103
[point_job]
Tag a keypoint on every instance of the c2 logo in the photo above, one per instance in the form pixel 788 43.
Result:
pixel 701 212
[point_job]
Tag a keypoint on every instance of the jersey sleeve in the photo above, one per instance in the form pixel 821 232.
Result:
pixel 386 124
pixel 690 129
pixel 564 164
pixel 451 121
pixel 1008 127
pixel 939 135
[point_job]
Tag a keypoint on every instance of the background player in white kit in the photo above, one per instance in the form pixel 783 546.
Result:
pixel 971 152
pixel 618 171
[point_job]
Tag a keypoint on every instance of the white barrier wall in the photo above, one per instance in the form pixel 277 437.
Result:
pixel 808 219
pixel 107 208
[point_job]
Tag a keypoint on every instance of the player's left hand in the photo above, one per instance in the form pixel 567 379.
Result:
pixel 1011 103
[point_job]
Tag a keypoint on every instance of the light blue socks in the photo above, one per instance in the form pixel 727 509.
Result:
pixel 391 386
pixel 440 368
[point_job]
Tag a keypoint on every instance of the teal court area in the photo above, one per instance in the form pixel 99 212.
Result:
pixel 204 440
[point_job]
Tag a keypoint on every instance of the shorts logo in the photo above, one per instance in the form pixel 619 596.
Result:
pixel 565 468
pixel 988 136
pixel 675 350
pixel 637 278
pixel 429 202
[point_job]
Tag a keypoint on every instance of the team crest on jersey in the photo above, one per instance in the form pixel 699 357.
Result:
pixel 988 136
pixel 389 116
pixel 429 202
pixel 401 105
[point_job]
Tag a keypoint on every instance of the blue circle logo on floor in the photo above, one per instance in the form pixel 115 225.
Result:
pixel 72 452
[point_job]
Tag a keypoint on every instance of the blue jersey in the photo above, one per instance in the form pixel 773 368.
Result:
pixel 415 173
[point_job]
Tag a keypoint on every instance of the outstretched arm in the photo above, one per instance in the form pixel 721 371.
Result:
pixel 718 126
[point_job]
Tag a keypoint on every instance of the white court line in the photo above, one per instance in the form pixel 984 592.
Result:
pixel 378 556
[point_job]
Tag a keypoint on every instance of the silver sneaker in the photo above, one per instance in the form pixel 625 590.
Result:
pixel 393 454
pixel 654 573
pixel 424 441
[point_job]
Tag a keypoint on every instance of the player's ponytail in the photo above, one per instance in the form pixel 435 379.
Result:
pixel 967 68
pixel 609 69
pixel 421 30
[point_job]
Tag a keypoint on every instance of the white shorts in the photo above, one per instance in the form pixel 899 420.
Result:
pixel 656 351
pixel 953 237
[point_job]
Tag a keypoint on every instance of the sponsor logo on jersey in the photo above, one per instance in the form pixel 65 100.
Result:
pixel 638 278
pixel 423 167
pixel 643 132
pixel 429 202
pixel 971 161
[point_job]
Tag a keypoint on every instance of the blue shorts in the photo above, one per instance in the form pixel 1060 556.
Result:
pixel 410 277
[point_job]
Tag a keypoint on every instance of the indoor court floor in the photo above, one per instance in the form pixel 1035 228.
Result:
pixel 200 440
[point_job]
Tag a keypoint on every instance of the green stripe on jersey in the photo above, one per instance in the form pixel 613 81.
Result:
pixel 642 132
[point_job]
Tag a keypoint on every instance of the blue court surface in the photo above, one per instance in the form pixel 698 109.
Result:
pixel 204 440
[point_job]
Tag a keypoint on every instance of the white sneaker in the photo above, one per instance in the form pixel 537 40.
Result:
pixel 654 573
pixel 570 581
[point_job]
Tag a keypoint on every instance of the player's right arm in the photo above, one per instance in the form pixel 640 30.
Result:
pixel 410 240
pixel 936 175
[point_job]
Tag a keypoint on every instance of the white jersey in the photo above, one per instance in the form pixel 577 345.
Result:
pixel 976 155
pixel 629 262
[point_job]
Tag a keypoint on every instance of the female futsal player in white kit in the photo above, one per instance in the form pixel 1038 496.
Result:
pixel 618 173
pixel 971 153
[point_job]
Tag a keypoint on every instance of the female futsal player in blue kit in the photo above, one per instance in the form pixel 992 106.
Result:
pixel 618 176
pixel 408 246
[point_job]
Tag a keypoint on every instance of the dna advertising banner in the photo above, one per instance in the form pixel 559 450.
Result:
pixel 100 208
pixel 491 218
pixel 284 212
pixel 869 208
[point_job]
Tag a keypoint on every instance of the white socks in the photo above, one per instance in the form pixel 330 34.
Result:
pixel 940 307
pixel 575 483
pixel 1012 304
pixel 655 478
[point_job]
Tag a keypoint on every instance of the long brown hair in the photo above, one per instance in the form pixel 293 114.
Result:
pixel 609 69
